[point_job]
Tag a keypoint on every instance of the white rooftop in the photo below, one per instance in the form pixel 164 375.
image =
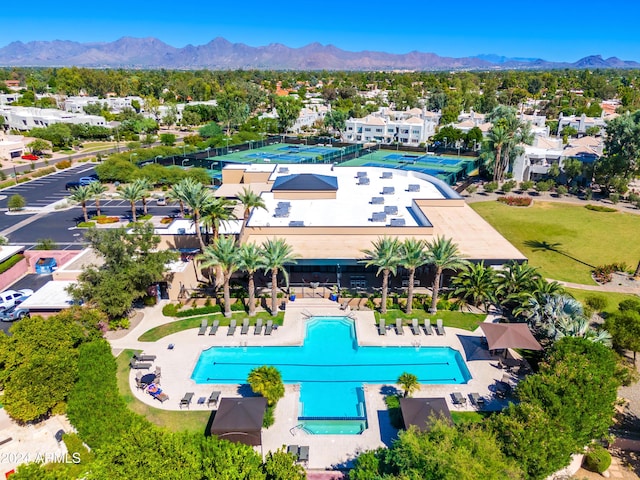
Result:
pixel 352 206
pixel 52 295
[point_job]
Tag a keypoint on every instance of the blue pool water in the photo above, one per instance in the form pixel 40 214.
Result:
pixel 331 369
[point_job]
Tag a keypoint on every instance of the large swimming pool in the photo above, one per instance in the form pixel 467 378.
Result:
pixel 331 370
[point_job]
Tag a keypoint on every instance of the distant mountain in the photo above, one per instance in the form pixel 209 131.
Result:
pixel 129 52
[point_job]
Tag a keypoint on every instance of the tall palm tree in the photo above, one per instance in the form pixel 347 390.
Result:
pixel 222 253
pixel 409 383
pixel 249 199
pixel 132 192
pixel 198 198
pixel 498 137
pixel 97 190
pixel 277 253
pixel 82 195
pixel 147 186
pixel 514 284
pixel 413 256
pixel 386 254
pixel 475 284
pixel 176 194
pixel 250 260
pixel 217 212
pixel 444 255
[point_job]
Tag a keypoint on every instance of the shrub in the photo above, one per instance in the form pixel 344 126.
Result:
pixel 471 189
pixel 526 185
pixel 395 415
pixel 62 164
pixel 86 224
pixel 198 311
pixel 516 201
pixel 562 190
pixel 170 310
pixel 102 220
pixel 237 306
pixel 491 187
pixel 597 459
pixel 508 186
pixel 588 194
pixel 269 417
pixel 545 185
pixel 149 301
pixel 615 198
pixel 596 302
pixel 599 208
pixel 16 202
pixel 603 273
pixel 10 262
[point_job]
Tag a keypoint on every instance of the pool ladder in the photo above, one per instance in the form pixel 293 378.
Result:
pixel 292 430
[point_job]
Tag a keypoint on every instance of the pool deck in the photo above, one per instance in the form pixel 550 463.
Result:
pixel 326 451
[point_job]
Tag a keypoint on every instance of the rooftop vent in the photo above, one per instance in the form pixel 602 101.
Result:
pixel 414 187
pixel 387 175
pixel 391 210
pixel 388 190
pixel 363 181
pixel 397 222
pixel 379 217
pixel 361 174
pixel 283 170
pixel 377 200
pixel 296 223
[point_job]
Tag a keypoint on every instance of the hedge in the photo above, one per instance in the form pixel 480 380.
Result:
pixel 10 262
pixel 199 311
pixel 599 208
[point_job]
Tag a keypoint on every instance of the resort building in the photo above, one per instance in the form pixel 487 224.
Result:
pixel 410 127
pixel 26 118
pixel 11 146
pixel 582 123
pixel 114 104
pixel 329 215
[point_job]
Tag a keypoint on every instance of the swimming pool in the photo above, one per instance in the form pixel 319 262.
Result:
pixel 331 369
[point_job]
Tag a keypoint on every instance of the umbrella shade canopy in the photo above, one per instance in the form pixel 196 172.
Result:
pixel 509 335
pixel 240 420
pixel 422 411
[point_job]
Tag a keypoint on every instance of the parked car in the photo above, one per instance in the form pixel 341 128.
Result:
pixel 9 298
pixel 82 182
pixel 161 201
pixel 30 156
pixel 14 313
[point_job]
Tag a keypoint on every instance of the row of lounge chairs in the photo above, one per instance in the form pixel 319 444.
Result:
pixel 461 400
pixel 244 330
pixel 414 326
pixel 141 361
pixel 188 398
pixel 301 454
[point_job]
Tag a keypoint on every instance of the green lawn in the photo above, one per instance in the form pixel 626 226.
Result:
pixel 613 298
pixel 463 320
pixel 566 241
pixel 173 420
pixel 161 331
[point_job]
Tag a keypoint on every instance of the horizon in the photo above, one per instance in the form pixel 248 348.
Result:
pixel 548 33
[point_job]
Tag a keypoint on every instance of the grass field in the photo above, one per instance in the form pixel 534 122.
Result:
pixel 173 420
pixel 566 241
pixel 463 320
pixel 612 298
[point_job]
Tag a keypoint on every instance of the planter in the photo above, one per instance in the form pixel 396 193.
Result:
pixel 292 298
pixel 333 297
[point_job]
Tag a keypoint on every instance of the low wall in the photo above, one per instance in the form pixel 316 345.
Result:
pixel 61 256
pixel 14 273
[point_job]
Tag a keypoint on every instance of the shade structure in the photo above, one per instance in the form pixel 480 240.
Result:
pixel 509 335
pixel 240 420
pixel 422 411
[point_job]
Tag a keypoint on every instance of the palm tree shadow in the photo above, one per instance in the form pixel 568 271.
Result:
pixel 543 245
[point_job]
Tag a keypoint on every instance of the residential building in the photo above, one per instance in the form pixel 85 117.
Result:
pixel 26 118
pixel 11 146
pixel 76 104
pixel 410 127
pixel 581 123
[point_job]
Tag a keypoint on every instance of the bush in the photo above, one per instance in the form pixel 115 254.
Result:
pixel 544 185
pixel 237 306
pixel 102 220
pixel 198 311
pixel 10 262
pixel 508 186
pixel 596 302
pixel 599 208
pixel 615 198
pixel 149 301
pixel 526 185
pixel 395 415
pixel 597 459
pixel 170 310
pixel 604 273
pixel 269 417
pixel 61 165
pixel 491 187
pixel 86 224
pixel 471 189
pixel 16 202
pixel 562 190
pixel 516 201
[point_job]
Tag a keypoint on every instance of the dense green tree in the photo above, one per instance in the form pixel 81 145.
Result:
pixel 409 383
pixel 59 134
pixel 386 254
pixel 82 195
pixel 38 146
pixel 131 264
pixel 288 109
pixel 232 107
pixel 249 200
pixel 250 260
pixel 267 381
pixel 624 327
pixel 277 253
pixel 217 212
pixel 16 202
pixel 210 130
pixel 475 284
pixel 336 120
pixel 443 254
pixel 280 465
pixel 198 198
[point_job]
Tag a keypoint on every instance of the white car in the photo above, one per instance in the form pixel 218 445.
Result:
pixel 14 313
pixel 9 298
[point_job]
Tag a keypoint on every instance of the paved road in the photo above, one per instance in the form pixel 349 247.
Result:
pixel 44 191
pixel 60 226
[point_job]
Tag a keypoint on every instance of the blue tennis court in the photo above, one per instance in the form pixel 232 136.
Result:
pixel 306 149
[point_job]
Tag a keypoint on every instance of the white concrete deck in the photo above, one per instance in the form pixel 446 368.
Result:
pixel 326 451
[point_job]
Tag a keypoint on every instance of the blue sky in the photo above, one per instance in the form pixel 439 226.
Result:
pixel 543 29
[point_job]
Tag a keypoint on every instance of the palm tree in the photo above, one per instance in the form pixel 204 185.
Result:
pixel 387 256
pixel 218 211
pixel 222 253
pixel 514 284
pixel 267 381
pixel 414 255
pixel 444 255
pixel 475 284
pixel 277 253
pixel 250 260
pixel 82 195
pixel 132 192
pixel 249 199
pixel 176 194
pixel 409 383
pixel 198 198
pixel 497 137
pixel 146 186
pixel 97 190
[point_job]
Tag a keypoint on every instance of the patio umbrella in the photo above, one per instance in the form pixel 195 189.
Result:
pixel 509 335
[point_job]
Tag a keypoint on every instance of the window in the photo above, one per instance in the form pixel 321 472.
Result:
pixel 415 132
pixel 378 130
pixel 367 129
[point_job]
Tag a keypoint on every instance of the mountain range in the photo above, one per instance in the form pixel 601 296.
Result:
pixel 220 54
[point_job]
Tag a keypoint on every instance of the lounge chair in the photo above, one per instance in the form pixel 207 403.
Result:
pixel 245 327
pixel 161 397
pixel 427 327
pixel 293 450
pixel 258 329
pixel 140 357
pixel 399 329
pixel 203 326
pixel 268 329
pixel 232 327
pixel 213 398
pixel 303 454
pixel 186 400
pixel 214 327
pixel 158 372
pixel 477 399
pixel 344 305
pixel 439 327
pixel 139 365
pixel 458 399
pixel 382 328
pixel 415 327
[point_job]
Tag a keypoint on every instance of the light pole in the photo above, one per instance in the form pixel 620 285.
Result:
pixel 184 149
pixel 445 143
pixel 227 140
